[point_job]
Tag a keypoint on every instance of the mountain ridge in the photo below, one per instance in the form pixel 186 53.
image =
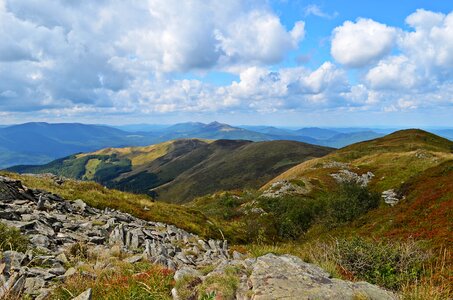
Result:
pixel 194 166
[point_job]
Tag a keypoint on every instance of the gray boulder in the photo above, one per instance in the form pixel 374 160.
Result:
pixel 288 277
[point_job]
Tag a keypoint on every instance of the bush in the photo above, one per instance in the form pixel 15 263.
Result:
pixel 389 264
pixel 293 215
pixel 12 239
pixel 349 202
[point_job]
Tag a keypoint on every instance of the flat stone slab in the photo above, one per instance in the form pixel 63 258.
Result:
pixel 288 277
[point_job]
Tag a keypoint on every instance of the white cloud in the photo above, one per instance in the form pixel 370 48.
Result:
pixel 326 77
pixel 361 43
pixel 58 52
pixel 258 37
pixel 396 72
pixel 188 35
pixel 425 62
pixel 115 57
pixel 315 10
pixel 430 45
pixel 423 19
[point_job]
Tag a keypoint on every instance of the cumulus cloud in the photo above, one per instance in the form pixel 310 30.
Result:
pixel 111 57
pixel 395 72
pixel 258 37
pixel 430 45
pixel 425 62
pixel 360 43
pixel 87 53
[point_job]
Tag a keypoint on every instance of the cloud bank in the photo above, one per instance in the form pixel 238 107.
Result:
pixel 111 57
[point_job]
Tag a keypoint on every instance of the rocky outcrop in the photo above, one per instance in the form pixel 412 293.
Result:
pixel 288 277
pixel 54 225
pixel 287 187
pixel 391 197
pixel 346 176
pixel 276 277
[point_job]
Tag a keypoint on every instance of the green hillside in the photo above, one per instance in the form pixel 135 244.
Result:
pixel 179 170
pixel 347 227
pixel 307 200
pixel 392 159
pixel 304 211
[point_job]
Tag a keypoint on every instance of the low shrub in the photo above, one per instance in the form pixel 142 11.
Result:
pixel 220 286
pixel 12 239
pixel 388 264
pixel 215 286
pixel 349 202
pixel 292 215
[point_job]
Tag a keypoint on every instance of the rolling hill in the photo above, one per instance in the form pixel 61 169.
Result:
pixel 179 170
pixel 317 195
pixel 393 159
pixel 39 143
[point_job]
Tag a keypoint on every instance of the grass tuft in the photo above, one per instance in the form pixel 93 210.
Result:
pixel 12 239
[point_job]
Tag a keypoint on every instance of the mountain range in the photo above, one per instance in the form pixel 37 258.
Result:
pixel 179 170
pixel 40 143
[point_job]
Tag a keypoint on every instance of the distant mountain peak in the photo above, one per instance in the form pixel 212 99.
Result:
pixel 222 127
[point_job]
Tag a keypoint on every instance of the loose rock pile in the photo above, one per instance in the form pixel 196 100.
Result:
pixel 346 176
pixel 391 197
pixel 53 225
pixel 285 187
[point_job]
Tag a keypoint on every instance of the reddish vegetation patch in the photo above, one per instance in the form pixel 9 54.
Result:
pixel 426 214
pixel 428 211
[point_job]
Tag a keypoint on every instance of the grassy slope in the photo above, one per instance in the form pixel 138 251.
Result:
pixel 416 163
pixel 393 159
pixel 247 166
pixel 426 213
pixel 137 155
pixel 183 169
pixel 137 205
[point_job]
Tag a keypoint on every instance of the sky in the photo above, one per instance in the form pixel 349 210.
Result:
pixel 280 62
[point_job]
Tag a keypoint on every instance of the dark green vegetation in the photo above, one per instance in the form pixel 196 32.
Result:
pixel 289 217
pixel 180 170
pixel 11 239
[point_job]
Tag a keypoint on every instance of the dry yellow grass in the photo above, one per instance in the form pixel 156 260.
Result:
pixel 90 168
pixel 393 159
pixel 137 155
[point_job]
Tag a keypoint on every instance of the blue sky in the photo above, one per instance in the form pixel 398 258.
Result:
pixel 282 62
